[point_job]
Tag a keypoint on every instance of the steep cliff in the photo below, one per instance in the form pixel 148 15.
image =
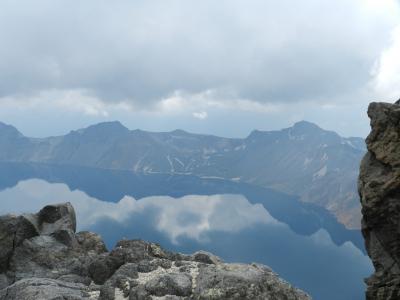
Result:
pixel 379 188
pixel 41 257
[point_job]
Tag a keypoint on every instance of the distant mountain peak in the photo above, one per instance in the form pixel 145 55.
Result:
pixel 179 132
pixel 255 134
pixel 6 129
pixel 4 125
pixel 299 128
pixel 110 124
pixel 305 125
pixel 106 127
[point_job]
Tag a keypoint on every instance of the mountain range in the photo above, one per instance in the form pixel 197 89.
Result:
pixel 317 165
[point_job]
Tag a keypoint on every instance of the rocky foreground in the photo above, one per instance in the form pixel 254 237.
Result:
pixel 41 257
pixel 379 188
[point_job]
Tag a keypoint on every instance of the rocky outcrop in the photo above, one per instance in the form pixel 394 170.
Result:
pixel 379 188
pixel 41 257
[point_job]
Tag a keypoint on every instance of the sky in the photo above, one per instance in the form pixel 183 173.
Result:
pixel 221 67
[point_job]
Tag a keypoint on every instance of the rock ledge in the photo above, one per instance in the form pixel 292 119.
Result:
pixel 41 257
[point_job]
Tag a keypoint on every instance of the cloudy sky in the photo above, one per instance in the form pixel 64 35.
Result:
pixel 223 67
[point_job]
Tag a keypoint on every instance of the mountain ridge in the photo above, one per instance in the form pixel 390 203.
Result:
pixel 116 124
pixel 304 160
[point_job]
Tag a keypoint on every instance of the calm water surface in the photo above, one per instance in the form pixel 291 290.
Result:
pixel 238 222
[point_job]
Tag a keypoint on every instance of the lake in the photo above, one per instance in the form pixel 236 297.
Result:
pixel 239 222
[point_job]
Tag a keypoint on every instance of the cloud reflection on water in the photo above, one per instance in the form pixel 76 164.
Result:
pixel 191 216
pixel 227 225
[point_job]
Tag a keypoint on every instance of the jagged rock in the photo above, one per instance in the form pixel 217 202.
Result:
pixel 13 231
pixel 62 216
pixel 205 257
pixel 177 284
pixel 379 188
pixel 90 241
pixel 43 258
pixel 238 281
pixel 103 268
pixel 59 221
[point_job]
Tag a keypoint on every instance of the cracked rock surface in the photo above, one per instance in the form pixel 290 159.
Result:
pixel 379 188
pixel 41 257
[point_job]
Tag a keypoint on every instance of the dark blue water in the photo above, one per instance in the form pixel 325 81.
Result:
pixel 238 222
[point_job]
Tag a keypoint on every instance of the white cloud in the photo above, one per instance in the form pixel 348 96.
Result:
pixel 181 102
pixel 78 101
pixel 201 115
pixel 387 70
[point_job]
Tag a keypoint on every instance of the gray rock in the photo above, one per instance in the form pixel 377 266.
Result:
pixel 62 215
pixel 139 293
pixel 13 231
pixel 73 278
pixel 43 258
pixel 205 257
pixel 177 284
pixel 4 281
pixel 137 250
pixel 90 241
pixel 44 289
pixel 239 281
pixel 103 268
pixel 379 188
pixel 59 221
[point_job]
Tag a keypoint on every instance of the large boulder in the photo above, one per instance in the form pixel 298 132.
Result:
pixel 379 188
pixel 43 258
pixel 59 221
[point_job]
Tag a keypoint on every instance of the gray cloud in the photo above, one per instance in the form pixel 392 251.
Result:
pixel 143 51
